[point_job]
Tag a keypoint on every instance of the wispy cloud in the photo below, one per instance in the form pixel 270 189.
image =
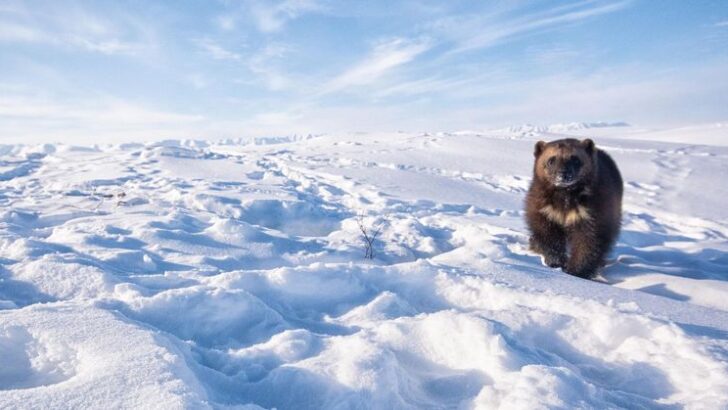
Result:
pixel 13 32
pixel 217 51
pixel 264 65
pixel 463 33
pixel 74 27
pixel 199 81
pixel 385 57
pixel 272 16
pixel 226 22
pixel 478 32
pixel 435 86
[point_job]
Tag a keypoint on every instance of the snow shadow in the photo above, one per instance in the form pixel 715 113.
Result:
pixel 681 250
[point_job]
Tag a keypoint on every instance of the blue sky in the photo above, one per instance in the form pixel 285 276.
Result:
pixel 113 70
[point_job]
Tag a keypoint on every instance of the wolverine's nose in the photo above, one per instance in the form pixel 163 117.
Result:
pixel 564 178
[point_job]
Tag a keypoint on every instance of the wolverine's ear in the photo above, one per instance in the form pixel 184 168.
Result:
pixel 588 145
pixel 538 149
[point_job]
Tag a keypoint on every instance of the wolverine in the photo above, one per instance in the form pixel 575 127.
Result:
pixel 574 205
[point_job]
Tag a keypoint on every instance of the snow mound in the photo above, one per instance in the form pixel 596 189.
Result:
pixel 78 357
pixel 30 362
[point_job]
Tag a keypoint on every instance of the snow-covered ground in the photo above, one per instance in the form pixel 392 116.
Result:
pixel 190 274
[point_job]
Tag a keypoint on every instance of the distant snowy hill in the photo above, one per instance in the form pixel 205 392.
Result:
pixel 562 128
pixel 704 134
pixel 577 126
pixel 198 274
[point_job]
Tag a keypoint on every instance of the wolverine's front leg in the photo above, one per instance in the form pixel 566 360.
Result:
pixel 549 240
pixel 586 253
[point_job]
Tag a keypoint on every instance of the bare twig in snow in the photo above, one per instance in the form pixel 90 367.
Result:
pixel 369 235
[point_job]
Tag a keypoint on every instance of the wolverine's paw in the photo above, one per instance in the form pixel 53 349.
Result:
pixel 582 272
pixel 553 261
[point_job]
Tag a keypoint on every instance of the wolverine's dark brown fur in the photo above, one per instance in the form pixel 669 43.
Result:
pixel 574 205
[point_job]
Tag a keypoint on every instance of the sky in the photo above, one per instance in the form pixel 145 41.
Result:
pixel 107 71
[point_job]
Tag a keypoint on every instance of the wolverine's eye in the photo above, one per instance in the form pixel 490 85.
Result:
pixel 574 161
pixel 551 161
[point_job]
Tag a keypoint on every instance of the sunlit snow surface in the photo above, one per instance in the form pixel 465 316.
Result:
pixel 190 275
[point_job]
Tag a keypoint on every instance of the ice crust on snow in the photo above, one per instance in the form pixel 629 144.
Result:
pixel 198 274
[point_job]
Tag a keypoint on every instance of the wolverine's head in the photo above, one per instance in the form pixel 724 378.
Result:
pixel 564 163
